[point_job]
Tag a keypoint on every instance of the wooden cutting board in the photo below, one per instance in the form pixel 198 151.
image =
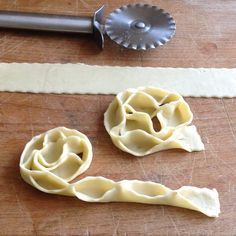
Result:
pixel 206 37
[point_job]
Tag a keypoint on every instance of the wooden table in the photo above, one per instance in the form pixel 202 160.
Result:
pixel 206 37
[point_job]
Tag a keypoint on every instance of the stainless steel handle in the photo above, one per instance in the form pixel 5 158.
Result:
pixel 56 23
pixel 45 22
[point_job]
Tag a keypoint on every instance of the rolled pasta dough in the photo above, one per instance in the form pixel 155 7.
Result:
pixel 50 162
pixel 81 78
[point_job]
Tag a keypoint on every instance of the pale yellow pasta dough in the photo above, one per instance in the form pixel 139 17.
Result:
pixel 50 162
pixel 81 78
pixel 130 121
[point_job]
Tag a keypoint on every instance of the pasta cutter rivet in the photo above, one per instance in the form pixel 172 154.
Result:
pixel 140 25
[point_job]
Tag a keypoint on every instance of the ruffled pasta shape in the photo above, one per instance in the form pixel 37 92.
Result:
pixel 147 120
pixel 52 160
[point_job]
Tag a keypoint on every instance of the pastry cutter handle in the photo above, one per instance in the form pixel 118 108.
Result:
pixel 55 23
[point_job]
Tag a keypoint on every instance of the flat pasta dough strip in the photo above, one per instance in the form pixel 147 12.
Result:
pixel 81 78
pixel 50 161
pixel 130 121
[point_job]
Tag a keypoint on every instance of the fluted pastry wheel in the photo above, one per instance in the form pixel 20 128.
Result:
pixel 50 162
pixel 131 118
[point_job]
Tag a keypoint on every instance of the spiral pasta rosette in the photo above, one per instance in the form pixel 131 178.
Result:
pixel 52 160
pixel 131 118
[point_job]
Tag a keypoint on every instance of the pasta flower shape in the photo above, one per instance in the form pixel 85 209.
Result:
pixel 148 119
pixel 52 159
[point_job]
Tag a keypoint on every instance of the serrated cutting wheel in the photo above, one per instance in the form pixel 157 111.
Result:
pixel 140 26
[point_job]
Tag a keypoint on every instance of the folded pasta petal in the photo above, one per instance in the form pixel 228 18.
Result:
pixel 137 142
pixel 188 138
pixel 201 199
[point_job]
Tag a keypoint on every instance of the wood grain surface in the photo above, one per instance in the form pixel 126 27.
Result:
pixel 205 37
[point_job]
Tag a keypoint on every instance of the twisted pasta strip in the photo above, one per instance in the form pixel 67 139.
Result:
pixel 50 162
pixel 129 122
